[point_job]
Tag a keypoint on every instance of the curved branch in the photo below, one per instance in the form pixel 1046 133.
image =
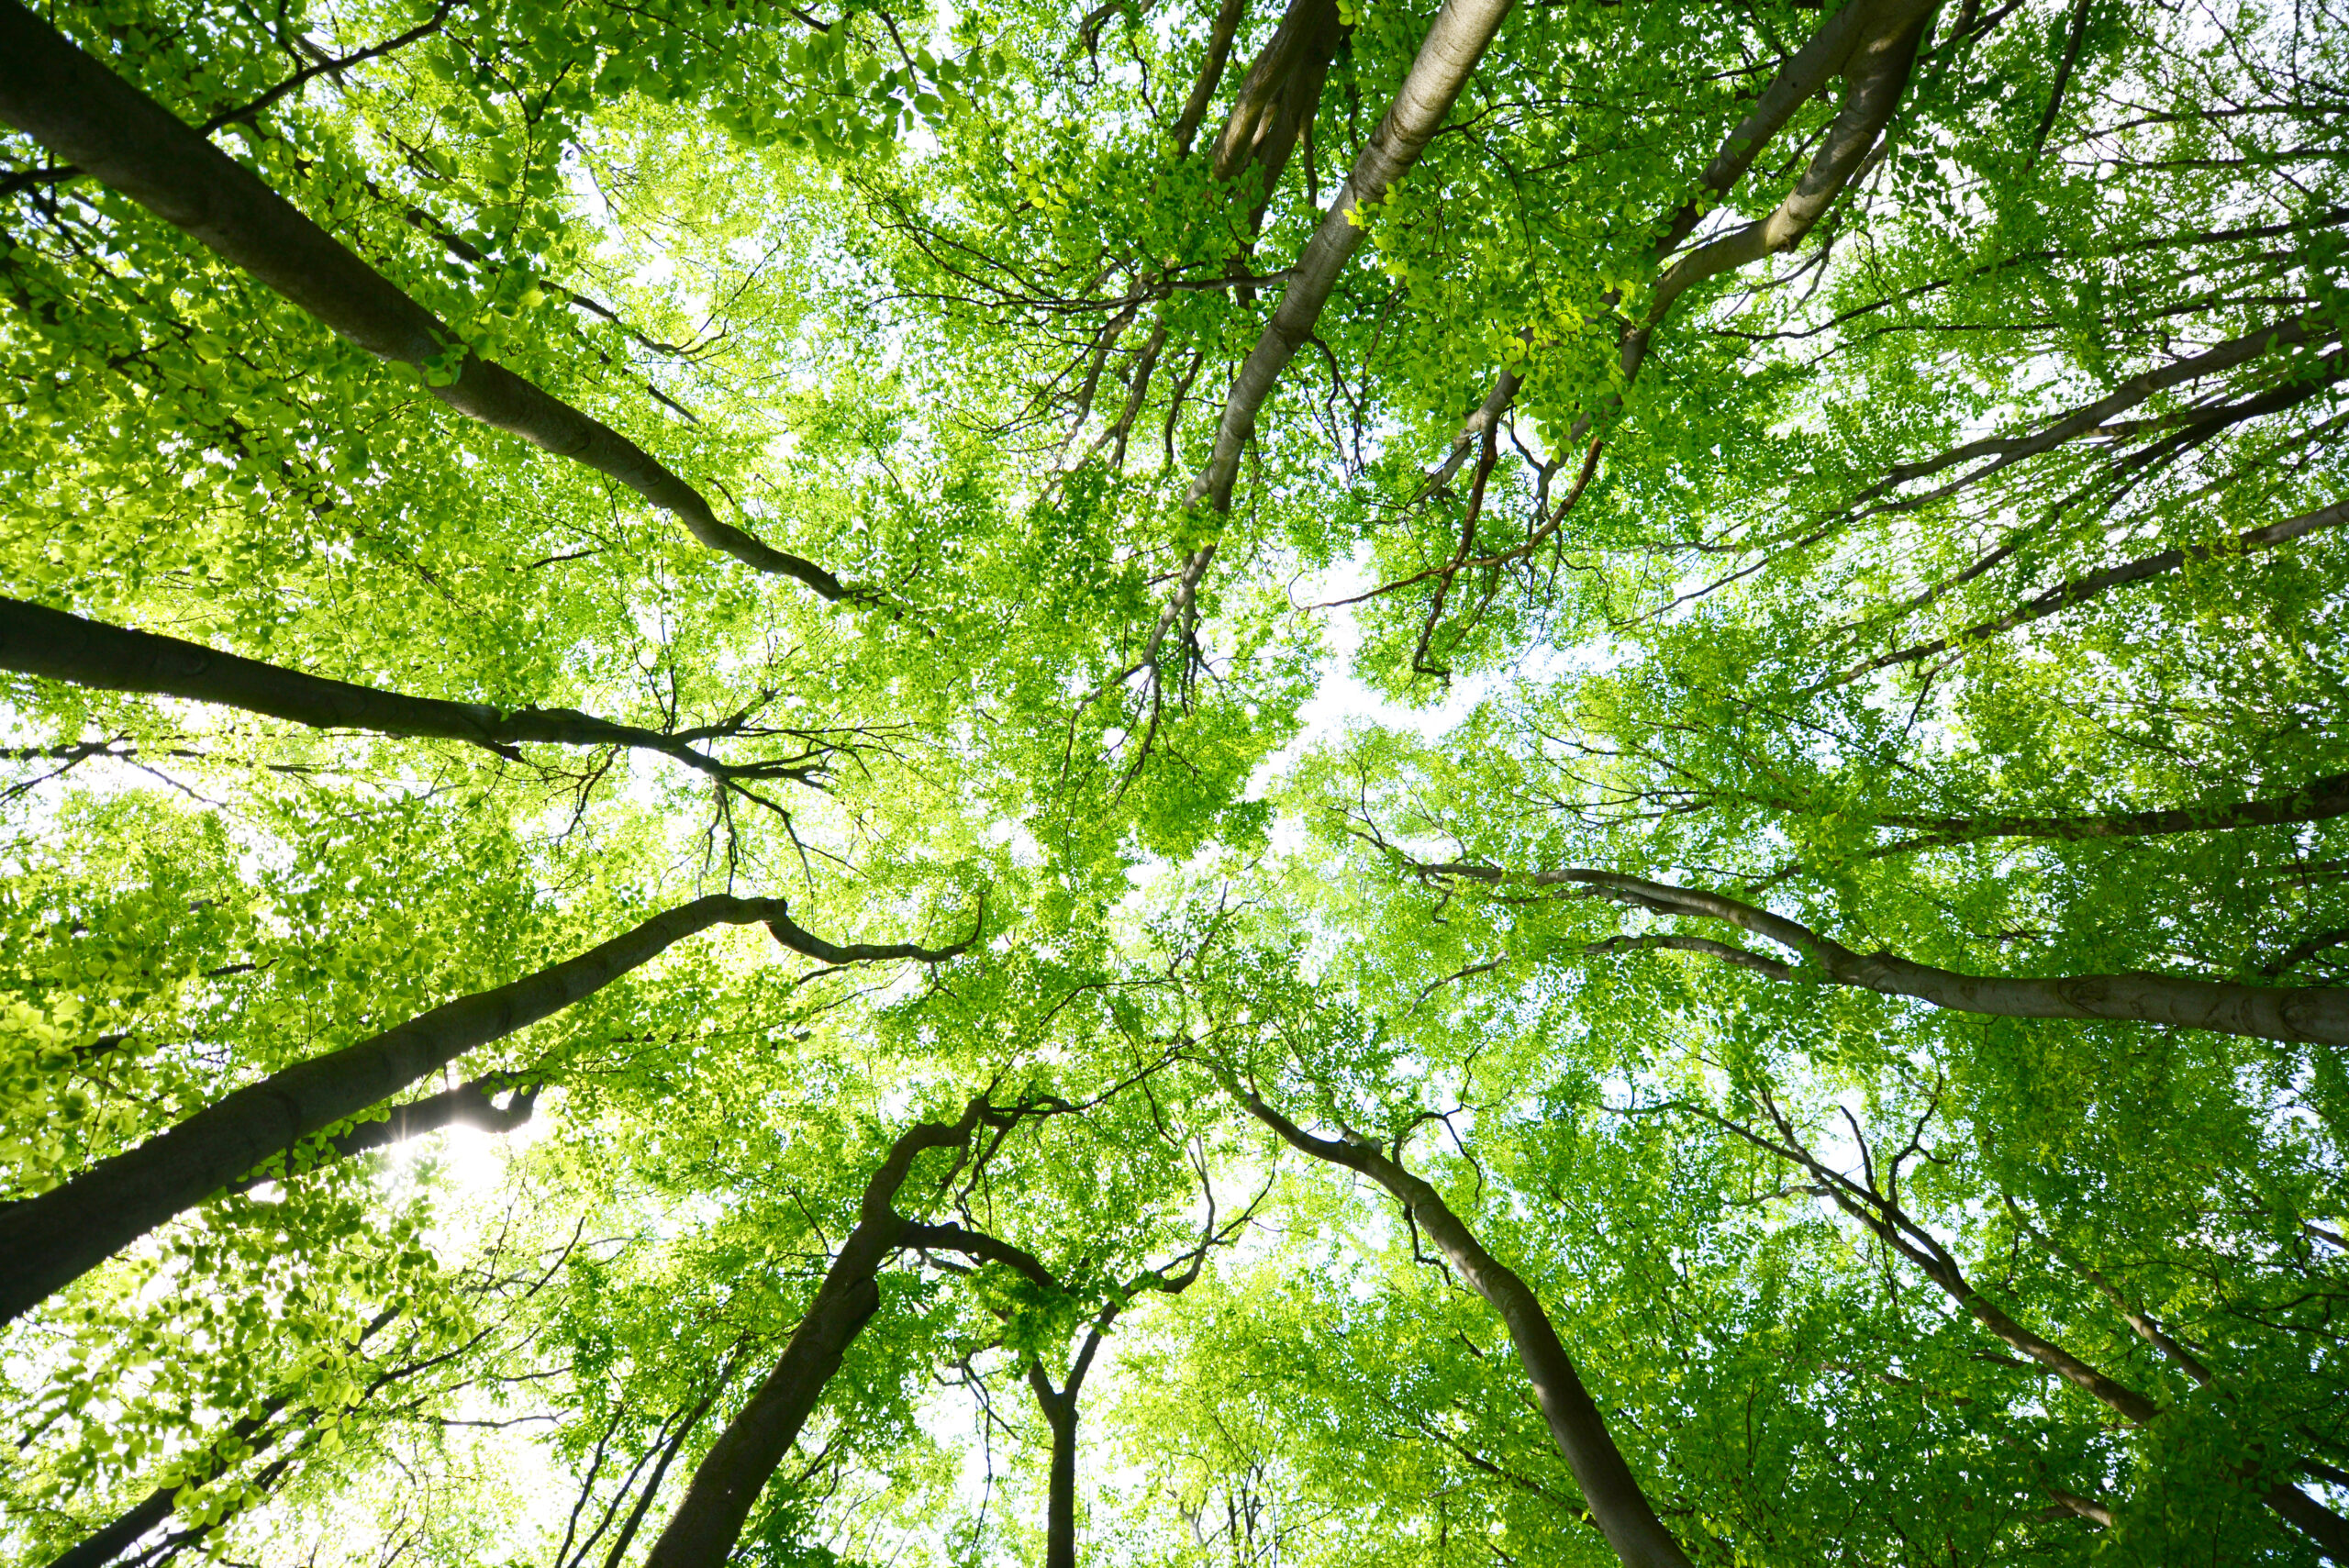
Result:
pixel 2319 1015
pixel 1798 81
pixel 1617 1503
pixel 73 105
pixel 1875 76
pixel 55 646
pixel 48 1241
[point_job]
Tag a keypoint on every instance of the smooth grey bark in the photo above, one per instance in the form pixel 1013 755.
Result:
pixel 2317 1015
pixel 73 105
pixel 1456 41
pixel 709 1520
pixel 1875 65
pixel 2318 800
pixel 61 647
pixel 1821 58
pixel 1618 1503
pixel 48 1241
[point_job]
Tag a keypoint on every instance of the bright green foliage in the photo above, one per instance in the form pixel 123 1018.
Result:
pixel 1966 581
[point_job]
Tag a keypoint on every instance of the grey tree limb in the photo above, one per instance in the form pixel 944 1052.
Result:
pixel 87 116
pixel 1799 79
pixel 1617 1502
pixel 2317 1015
pixel 36 640
pixel 48 1241
pixel 1875 76
pixel 1457 40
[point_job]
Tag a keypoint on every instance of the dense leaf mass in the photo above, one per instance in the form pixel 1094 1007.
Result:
pixel 1207 782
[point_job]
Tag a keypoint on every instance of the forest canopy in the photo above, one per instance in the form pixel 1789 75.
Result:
pixel 1329 785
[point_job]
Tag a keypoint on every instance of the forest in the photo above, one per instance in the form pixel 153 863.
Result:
pixel 1177 783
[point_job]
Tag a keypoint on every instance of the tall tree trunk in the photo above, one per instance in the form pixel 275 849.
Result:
pixel 1456 41
pixel 77 109
pixel 1277 100
pixel 1060 1494
pixel 61 647
pixel 709 1521
pixel 48 1241
pixel 1617 1503
pixel 2319 1015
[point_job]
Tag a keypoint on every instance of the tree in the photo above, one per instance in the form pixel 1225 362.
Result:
pixel 1672 674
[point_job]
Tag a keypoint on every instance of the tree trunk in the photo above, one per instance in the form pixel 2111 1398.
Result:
pixel 1453 44
pixel 2328 1530
pixel 1060 1497
pixel 1279 99
pixel 1798 81
pixel 2317 1015
pixel 77 109
pixel 1617 1503
pixel 709 1521
pixel 2318 800
pixel 50 1240
pixel 61 647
